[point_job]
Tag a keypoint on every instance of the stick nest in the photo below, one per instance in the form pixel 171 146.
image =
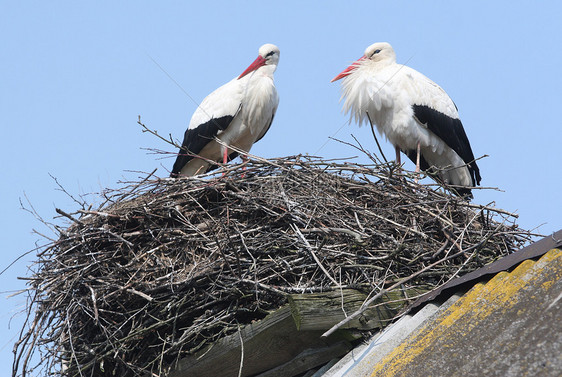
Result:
pixel 165 267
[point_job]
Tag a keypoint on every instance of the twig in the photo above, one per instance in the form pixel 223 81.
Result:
pixel 61 212
pixel 241 352
pixel 155 133
pixel 375 137
pixel 357 236
pixel 143 295
pixel 309 248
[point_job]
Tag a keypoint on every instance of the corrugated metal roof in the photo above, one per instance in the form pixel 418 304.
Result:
pixel 509 326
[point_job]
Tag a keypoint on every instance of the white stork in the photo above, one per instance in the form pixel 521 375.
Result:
pixel 414 114
pixel 239 113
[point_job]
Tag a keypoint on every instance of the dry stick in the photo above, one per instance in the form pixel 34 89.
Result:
pixel 61 212
pixel 71 345
pixel 81 204
pixel 94 302
pixel 435 215
pixel 155 133
pixel 131 191
pixel 421 234
pixel 309 247
pixel 493 209
pixel 31 333
pixel 241 352
pixel 265 286
pixel 14 262
pixel 161 359
pixel 253 268
pixel 357 236
pixel 375 136
pixel 129 243
pixel 138 293
pixel 360 147
pixel 98 213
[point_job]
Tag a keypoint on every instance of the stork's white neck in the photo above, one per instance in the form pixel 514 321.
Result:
pixel 267 70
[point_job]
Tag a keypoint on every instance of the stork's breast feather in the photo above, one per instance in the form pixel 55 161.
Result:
pixel 260 103
pixel 365 93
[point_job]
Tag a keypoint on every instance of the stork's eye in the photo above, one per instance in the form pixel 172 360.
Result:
pixel 376 52
pixel 270 53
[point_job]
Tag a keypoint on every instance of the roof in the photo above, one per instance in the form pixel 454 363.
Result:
pixel 506 326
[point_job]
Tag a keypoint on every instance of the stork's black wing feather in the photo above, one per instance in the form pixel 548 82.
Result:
pixel 451 131
pixel 195 139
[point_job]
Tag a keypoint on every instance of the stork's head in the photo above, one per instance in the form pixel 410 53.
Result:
pixel 375 53
pixel 268 56
pixel 380 51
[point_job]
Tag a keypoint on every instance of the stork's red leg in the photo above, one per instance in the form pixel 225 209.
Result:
pixel 418 153
pixel 397 155
pixel 244 159
pixel 418 158
pixel 224 158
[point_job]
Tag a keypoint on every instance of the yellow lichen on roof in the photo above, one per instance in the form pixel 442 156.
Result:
pixel 484 302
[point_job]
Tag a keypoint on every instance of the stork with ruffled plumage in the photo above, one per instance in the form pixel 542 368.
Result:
pixel 414 113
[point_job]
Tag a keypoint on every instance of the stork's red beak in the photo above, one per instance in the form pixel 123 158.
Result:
pixel 349 69
pixel 255 65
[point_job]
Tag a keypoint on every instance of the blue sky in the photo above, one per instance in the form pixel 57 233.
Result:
pixel 74 78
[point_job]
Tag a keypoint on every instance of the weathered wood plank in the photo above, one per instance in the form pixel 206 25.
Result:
pixel 320 311
pixel 308 359
pixel 267 343
pixel 284 334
